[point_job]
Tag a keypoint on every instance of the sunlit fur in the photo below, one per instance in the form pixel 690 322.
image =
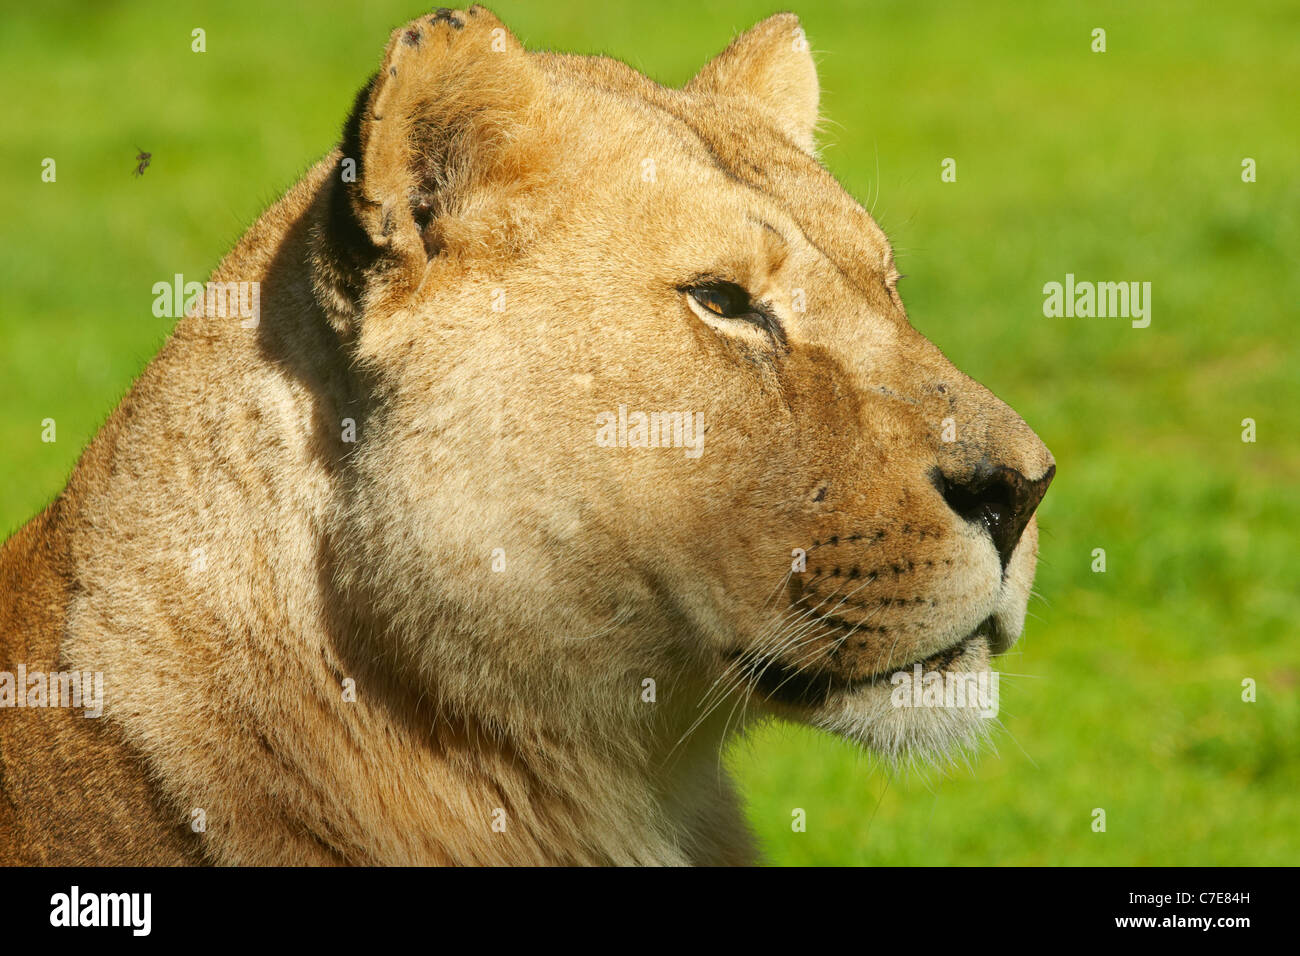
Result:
pixel 582 197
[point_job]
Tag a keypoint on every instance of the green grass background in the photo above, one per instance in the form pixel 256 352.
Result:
pixel 1117 166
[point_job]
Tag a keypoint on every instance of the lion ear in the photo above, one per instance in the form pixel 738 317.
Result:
pixel 439 123
pixel 770 64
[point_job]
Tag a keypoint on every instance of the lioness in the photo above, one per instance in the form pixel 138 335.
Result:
pixel 397 573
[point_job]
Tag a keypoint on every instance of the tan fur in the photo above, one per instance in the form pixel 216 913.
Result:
pixel 485 170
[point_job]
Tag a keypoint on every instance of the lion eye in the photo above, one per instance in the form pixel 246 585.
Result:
pixel 726 300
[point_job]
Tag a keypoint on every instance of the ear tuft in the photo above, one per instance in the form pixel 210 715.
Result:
pixel 771 65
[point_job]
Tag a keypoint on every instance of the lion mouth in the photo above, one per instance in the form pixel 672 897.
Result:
pixel 799 686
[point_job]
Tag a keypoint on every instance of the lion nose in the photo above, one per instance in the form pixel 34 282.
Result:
pixel 999 498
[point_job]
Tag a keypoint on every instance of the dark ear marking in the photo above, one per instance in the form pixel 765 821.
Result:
pixel 443 15
pixel 342 249
pixel 351 142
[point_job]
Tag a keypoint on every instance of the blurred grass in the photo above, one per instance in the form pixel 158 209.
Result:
pixel 1116 166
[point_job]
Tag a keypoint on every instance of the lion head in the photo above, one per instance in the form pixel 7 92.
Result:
pixel 648 442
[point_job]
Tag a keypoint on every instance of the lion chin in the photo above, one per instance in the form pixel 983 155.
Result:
pixel 892 718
